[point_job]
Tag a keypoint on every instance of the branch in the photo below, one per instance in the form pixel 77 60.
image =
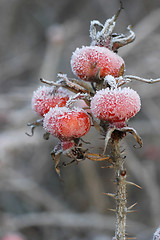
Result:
pixel 131 77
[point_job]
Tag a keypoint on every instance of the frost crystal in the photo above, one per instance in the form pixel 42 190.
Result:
pixel 156 235
pixel 66 123
pixel 88 62
pixel 115 105
pixel 46 97
pixel 111 81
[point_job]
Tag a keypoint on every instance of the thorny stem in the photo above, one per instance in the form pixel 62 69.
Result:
pixel 120 197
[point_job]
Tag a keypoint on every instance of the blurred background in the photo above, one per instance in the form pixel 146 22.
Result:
pixel 37 39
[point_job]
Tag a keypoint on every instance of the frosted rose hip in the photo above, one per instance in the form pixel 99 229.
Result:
pixel 117 105
pixel 45 98
pixel 87 61
pixel 66 123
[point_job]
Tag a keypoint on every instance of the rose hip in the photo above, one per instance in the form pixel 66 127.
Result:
pixel 66 123
pixel 94 62
pixel 45 98
pixel 115 105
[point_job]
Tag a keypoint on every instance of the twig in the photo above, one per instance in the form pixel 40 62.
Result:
pixel 150 81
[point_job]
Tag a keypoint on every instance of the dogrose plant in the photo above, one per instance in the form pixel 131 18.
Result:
pixel 107 106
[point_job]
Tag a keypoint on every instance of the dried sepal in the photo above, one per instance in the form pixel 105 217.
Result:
pixel 108 137
pixel 46 135
pixel 56 158
pixel 101 37
pixel 122 40
pixel 96 157
pixel 33 125
pixel 105 36
pixel 134 133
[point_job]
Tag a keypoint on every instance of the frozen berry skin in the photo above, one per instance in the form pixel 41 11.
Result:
pixel 115 105
pixel 66 123
pixel 88 62
pixel 45 98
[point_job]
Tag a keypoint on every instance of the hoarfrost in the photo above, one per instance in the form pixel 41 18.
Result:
pixel 156 235
pixel 86 61
pixel 46 97
pixel 110 80
pixel 115 105
pixel 67 123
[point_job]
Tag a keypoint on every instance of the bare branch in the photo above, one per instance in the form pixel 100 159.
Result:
pixel 131 77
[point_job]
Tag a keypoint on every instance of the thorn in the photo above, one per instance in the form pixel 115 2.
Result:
pixel 112 210
pixel 127 238
pixel 134 184
pixel 131 211
pixel 110 194
pixel 110 166
pixel 132 206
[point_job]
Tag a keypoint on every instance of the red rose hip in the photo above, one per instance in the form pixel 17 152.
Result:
pixel 66 123
pixel 87 62
pixel 115 105
pixel 45 98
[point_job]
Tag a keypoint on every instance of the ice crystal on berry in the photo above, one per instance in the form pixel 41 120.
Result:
pixel 66 123
pixel 93 62
pixel 45 98
pixel 115 105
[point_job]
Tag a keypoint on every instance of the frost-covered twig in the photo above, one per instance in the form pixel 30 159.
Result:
pixel 131 77
pixel 156 235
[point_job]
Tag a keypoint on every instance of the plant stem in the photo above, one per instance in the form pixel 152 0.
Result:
pixel 120 197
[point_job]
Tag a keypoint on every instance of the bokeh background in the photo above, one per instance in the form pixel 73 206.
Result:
pixel 37 39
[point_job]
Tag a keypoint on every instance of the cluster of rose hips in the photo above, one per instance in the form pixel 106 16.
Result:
pixel 100 72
